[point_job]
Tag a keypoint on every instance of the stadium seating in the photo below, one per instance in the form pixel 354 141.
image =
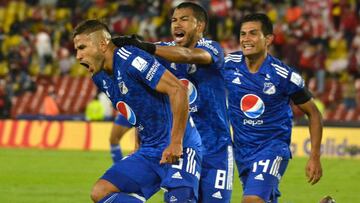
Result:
pixel 72 95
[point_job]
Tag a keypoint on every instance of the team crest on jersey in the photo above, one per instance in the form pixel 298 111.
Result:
pixel 126 111
pixel 191 69
pixel 123 88
pixel 252 106
pixel 269 88
pixel 192 92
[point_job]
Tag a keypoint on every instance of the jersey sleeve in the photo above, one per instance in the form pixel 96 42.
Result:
pixel 145 68
pixel 295 82
pixel 215 50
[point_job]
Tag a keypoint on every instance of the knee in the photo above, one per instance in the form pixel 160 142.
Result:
pixel 252 199
pixel 96 193
pixel 101 189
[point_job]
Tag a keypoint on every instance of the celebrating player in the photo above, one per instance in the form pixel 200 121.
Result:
pixel 260 88
pixel 203 59
pixel 156 103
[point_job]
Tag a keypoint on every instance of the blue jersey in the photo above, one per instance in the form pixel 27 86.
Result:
pixel 180 70
pixel 259 107
pixel 122 121
pixel 131 89
pixel 207 96
pixel 177 69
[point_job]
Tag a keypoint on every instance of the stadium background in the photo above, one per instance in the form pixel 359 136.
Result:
pixel 319 38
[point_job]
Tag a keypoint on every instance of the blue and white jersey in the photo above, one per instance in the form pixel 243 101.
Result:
pixel 259 104
pixel 131 89
pixel 180 70
pixel 177 69
pixel 207 95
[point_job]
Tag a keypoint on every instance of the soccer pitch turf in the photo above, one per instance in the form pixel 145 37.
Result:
pixel 43 176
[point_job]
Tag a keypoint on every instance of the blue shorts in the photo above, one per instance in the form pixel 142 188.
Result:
pixel 261 176
pixel 217 176
pixel 143 175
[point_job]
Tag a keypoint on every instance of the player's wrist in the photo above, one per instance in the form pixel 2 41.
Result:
pixel 315 155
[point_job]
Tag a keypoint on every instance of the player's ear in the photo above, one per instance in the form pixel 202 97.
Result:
pixel 103 44
pixel 269 39
pixel 201 27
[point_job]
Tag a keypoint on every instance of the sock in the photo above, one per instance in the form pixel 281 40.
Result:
pixel 115 151
pixel 121 197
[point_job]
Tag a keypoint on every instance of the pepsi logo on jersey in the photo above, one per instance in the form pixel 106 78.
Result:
pixel 126 111
pixel 252 106
pixel 192 92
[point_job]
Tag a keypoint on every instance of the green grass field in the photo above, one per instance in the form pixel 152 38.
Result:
pixel 39 176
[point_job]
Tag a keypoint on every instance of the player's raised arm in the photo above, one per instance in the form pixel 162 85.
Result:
pixel 179 54
pixel 313 168
pixel 177 93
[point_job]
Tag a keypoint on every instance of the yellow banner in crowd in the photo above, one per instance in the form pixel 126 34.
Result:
pixel 334 141
pixel 95 136
pixel 59 135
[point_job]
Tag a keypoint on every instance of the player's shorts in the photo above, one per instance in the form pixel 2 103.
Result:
pixel 143 175
pixel 261 176
pixel 216 181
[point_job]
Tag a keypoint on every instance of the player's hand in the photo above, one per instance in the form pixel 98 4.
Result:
pixel 171 154
pixel 134 41
pixel 313 170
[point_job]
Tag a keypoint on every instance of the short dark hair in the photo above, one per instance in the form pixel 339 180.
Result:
pixel 266 24
pixel 90 26
pixel 199 12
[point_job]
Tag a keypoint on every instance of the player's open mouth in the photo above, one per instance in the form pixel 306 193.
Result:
pixel 179 36
pixel 85 65
pixel 247 47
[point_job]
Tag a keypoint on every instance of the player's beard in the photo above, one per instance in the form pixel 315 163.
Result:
pixel 191 39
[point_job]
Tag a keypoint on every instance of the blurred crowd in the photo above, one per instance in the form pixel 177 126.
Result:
pixel 321 39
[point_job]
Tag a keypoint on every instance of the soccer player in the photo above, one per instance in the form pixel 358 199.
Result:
pixel 203 59
pixel 260 88
pixel 155 102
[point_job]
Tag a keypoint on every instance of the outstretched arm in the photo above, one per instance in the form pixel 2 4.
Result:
pixel 175 54
pixel 177 93
pixel 179 54
pixel 313 167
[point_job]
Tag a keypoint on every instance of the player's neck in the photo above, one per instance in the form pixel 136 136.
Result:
pixel 108 56
pixel 195 41
pixel 254 62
